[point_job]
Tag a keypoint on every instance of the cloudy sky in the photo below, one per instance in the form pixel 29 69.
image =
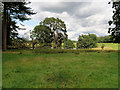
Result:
pixel 79 17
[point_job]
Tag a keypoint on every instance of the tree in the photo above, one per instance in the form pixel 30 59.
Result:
pixel 12 32
pixel 115 22
pixel 105 39
pixel 43 34
pixel 68 44
pixel 93 37
pixel 60 40
pixel 87 41
pixel 12 11
pixel 33 36
pixel 58 27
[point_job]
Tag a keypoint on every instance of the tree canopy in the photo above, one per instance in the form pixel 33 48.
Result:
pixel 58 27
pixel 68 44
pixel 87 41
pixel 43 34
pixel 12 11
pixel 105 39
pixel 50 30
pixel 115 22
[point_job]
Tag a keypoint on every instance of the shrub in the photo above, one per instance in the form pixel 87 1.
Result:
pixel 68 44
pixel 43 45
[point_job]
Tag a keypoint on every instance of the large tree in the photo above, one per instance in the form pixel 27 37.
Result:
pixel 42 34
pixel 115 22
pixel 58 27
pixel 12 11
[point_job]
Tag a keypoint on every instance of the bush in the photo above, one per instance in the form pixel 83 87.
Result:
pixel 68 44
pixel 47 45
pixel 87 41
pixel 102 46
pixel 58 51
pixel 44 45
pixel 50 51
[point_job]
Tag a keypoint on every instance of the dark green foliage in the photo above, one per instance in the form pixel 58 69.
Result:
pixel 18 43
pixel 74 41
pixel 93 37
pixel 58 28
pixel 105 39
pixel 68 44
pixel 115 31
pixel 13 11
pixel 12 32
pixel 87 41
pixel 55 24
pixel 45 45
pixel 43 34
pixel 50 30
pixel 19 10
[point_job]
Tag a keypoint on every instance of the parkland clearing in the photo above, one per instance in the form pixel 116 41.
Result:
pixel 46 56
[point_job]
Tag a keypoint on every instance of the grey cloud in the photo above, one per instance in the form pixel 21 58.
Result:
pixel 69 7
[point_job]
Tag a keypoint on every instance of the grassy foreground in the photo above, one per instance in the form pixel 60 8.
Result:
pixel 63 70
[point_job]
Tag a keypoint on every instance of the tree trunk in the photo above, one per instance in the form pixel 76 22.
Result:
pixel 4 30
pixel 54 40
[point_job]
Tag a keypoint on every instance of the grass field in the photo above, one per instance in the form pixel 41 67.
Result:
pixel 66 70
pixel 114 46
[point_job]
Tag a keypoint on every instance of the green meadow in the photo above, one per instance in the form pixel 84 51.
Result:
pixel 98 69
pixel 48 52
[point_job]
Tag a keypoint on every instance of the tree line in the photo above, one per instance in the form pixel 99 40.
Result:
pixel 53 30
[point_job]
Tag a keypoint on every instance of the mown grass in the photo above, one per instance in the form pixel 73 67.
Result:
pixel 60 70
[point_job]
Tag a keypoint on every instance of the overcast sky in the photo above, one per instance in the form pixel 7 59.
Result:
pixel 79 17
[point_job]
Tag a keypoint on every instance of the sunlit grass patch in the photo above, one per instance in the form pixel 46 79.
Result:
pixel 109 45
